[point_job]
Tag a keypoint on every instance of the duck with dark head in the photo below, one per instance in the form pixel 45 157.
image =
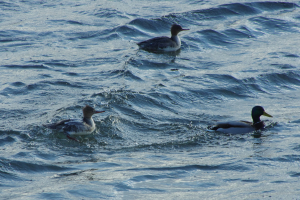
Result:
pixel 240 127
pixel 164 43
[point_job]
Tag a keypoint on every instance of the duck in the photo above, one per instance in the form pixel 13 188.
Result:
pixel 241 127
pixel 164 43
pixel 75 127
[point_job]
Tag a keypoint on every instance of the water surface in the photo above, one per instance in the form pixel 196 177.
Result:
pixel 152 142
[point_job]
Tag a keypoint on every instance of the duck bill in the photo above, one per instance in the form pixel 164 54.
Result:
pixel 99 112
pixel 267 115
pixel 185 29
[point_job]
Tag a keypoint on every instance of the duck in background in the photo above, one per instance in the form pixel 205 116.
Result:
pixel 73 127
pixel 240 127
pixel 164 43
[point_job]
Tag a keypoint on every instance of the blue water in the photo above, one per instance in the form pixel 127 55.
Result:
pixel 152 142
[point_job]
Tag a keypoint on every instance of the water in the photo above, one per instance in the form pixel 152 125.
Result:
pixel 152 142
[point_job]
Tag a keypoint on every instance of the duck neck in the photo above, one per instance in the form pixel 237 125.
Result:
pixel 176 39
pixel 257 124
pixel 89 121
pixel 256 119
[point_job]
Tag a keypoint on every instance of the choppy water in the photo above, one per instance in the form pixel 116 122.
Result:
pixel 152 142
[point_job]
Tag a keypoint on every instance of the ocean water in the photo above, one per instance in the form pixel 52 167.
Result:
pixel 152 142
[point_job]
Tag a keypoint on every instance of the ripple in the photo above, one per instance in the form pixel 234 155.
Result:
pixel 48 195
pixel 271 6
pixel 284 158
pixel 10 177
pixel 27 167
pixel 15 36
pixel 195 167
pixel 63 22
pixel 233 33
pixel 127 74
pixel 129 31
pixel 274 25
pixel 289 79
pixel 7 140
pixel 71 74
pixel 243 9
pixel 126 187
pixel 83 35
pixel 153 26
pixel 7 6
pixel 215 37
pixel 18 84
pixel 294 174
pixel 150 64
pixel 26 66
pixel 109 13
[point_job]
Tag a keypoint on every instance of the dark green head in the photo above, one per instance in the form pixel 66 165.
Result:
pixel 258 111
